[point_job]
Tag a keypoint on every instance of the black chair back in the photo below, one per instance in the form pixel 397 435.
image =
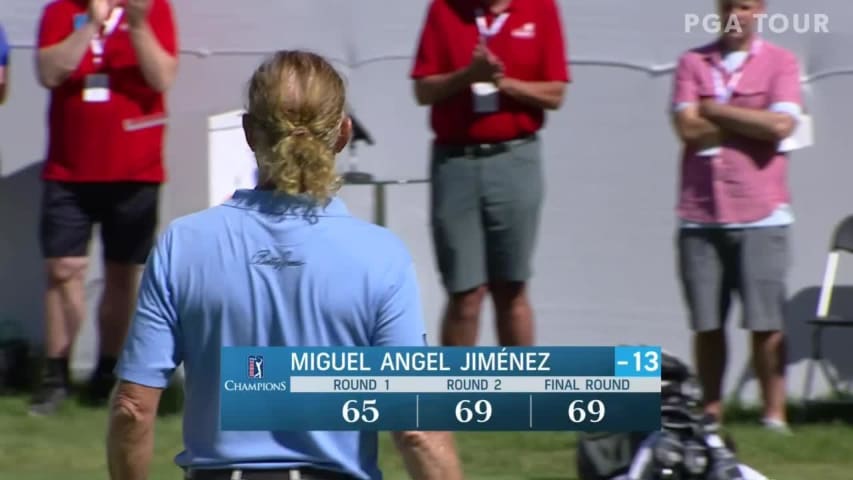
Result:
pixel 842 239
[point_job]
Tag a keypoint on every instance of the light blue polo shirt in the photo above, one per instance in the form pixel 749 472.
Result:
pixel 267 270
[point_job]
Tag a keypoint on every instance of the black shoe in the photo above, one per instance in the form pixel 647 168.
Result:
pixel 48 399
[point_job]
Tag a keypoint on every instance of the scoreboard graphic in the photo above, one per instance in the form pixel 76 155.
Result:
pixel 612 389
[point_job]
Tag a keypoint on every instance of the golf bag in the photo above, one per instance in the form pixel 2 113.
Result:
pixel 688 446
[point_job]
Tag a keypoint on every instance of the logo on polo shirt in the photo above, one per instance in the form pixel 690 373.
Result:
pixel 528 30
pixel 275 260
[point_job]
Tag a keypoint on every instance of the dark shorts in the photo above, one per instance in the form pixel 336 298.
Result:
pixel 127 213
pixel 716 264
pixel 485 213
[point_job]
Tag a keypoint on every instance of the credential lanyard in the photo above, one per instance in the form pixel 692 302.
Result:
pixel 97 43
pixel 489 31
pixel 724 91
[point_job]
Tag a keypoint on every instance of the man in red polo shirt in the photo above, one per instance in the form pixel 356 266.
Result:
pixel 488 69
pixel 107 64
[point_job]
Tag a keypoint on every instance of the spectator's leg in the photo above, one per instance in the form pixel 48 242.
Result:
pixel 513 313
pixel 461 323
pixel 707 286
pixel 65 230
pixel 457 233
pixel 513 191
pixel 765 263
pixel 128 232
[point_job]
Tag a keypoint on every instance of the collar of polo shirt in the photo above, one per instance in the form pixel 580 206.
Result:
pixel 277 203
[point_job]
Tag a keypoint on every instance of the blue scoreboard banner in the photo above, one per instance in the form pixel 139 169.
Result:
pixel 613 389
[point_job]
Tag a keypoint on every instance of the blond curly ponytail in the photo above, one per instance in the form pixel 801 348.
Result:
pixel 296 105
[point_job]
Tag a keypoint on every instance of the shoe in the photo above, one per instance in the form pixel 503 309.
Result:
pixel 777 426
pixel 48 400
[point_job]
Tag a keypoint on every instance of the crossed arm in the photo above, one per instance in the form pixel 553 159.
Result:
pixel 706 123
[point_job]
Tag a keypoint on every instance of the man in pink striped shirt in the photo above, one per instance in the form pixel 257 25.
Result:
pixel 735 101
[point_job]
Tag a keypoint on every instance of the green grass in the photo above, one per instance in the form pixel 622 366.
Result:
pixel 70 446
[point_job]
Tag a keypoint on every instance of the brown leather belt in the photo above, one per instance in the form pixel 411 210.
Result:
pixel 267 474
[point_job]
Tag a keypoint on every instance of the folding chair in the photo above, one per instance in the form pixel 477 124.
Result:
pixel 842 242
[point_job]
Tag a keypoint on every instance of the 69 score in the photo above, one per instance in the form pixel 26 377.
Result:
pixel 578 411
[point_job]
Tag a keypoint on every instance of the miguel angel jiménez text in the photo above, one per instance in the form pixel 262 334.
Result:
pixel 421 361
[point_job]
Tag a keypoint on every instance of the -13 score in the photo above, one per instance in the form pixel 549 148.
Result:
pixel 648 361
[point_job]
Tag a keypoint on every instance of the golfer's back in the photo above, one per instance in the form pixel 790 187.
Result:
pixel 265 270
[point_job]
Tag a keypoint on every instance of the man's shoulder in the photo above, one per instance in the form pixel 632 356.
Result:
pixel 700 52
pixel 376 238
pixel 196 221
pixel 60 7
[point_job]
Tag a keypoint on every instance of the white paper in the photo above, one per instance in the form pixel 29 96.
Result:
pixel 802 137
pixel 485 96
pixel 710 152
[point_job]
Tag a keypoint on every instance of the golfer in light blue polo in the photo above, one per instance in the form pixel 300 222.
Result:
pixel 284 264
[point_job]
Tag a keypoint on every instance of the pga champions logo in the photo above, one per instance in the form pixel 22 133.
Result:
pixel 255 379
pixel 803 23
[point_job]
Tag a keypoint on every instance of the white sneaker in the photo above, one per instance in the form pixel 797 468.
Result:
pixel 777 426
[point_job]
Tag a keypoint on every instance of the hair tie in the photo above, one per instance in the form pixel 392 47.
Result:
pixel 299 131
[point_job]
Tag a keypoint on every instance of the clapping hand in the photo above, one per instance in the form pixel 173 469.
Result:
pixel 99 11
pixel 137 11
pixel 485 66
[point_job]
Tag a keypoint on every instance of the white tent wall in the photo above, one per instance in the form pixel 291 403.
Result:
pixel 605 269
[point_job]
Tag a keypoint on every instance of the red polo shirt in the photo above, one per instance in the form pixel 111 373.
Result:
pixel 531 46
pixel 89 141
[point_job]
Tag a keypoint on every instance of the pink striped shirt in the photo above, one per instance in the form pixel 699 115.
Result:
pixel 748 179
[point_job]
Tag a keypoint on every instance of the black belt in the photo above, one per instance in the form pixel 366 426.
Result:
pixel 267 474
pixel 476 150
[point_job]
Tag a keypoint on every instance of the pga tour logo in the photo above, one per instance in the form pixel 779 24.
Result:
pixel 776 23
pixel 256 366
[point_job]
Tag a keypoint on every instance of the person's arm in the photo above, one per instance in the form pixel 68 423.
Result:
pixel 157 61
pixel 545 95
pixel 549 91
pixel 429 455
pixel 693 129
pixel 435 88
pixel 400 323
pixel 150 356
pixel 434 79
pixel 759 124
pixel 54 64
pixel 687 122
pixel 130 439
pixel 774 124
